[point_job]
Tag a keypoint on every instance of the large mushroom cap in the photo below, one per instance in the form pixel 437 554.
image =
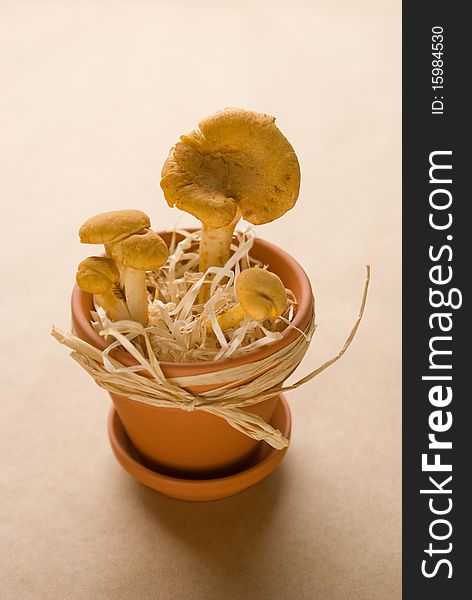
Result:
pixel 97 274
pixel 145 251
pixel 261 294
pixel 112 226
pixel 235 157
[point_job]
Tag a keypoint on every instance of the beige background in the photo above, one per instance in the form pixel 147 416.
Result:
pixel 93 96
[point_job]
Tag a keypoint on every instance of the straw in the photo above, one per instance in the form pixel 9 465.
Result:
pixel 228 399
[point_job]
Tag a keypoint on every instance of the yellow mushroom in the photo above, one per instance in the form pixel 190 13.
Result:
pixel 96 275
pixel 236 163
pixel 111 227
pixel 138 253
pixel 261 296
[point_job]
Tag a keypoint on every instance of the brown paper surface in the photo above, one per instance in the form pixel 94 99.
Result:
pixel 93 96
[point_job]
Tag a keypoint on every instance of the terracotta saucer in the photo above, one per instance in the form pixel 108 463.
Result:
pixel 261 465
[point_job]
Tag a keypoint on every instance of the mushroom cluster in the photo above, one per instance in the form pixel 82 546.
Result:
pixel 235 164
pixel 132 249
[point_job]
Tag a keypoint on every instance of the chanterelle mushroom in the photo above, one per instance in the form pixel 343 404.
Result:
pixel 96 275
pixel 236 162
pixel 261 296
pixel 113 226
pixel 139 253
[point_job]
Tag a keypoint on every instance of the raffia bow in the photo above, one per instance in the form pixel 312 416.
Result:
pixel 226 400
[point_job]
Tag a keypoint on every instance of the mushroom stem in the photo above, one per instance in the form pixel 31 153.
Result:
pixel 136 295
pixel 136 254
pixel 229 319
pixel 113 306
pixel 215 244
pixel 215 250
pixel 119 266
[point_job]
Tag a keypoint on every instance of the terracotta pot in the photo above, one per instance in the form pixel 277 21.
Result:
pixel 197 443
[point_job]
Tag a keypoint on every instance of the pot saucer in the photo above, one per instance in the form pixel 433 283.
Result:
pixel 262 464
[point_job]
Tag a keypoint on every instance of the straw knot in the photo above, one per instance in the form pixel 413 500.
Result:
pixel 190 405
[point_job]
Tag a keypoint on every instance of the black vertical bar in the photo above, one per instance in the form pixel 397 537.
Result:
pixel 425 130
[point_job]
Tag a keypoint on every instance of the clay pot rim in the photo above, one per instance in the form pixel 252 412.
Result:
pixel 305 301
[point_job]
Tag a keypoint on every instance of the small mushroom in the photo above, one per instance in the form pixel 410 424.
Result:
pixel 261 296
pixel 236 163
pixel 96 275
pixel 137 254
pixel 111 227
